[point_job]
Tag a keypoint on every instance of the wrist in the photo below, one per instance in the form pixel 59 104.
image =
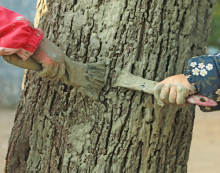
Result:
pixel 192 87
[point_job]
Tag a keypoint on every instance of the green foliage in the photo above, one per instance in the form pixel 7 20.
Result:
pixel 215 27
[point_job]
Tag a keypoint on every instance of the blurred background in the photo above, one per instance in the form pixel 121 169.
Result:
pixel 214 39
pixel 205 147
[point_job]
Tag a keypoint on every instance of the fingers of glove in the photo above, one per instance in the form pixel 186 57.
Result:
pixel 53 74
pixel 47 72
pixel 60 73
pixel 173 94
pixel 65 79
pixel 44 72
pixel 157 91
pixel 182 93
pixel 164 94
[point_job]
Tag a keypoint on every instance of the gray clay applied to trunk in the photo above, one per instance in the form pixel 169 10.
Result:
pixel 58 130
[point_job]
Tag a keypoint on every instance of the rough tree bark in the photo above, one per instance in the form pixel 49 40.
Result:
pixel 58 130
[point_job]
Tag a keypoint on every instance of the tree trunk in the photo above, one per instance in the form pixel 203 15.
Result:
pixel 58 130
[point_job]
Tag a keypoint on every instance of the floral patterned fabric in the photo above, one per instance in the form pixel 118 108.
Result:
pixel 203 72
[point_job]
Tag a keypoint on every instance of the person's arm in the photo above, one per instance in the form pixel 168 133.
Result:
pixel 17 34
pixel 202 77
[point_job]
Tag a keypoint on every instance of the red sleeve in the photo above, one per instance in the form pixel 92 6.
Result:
pixel 17 35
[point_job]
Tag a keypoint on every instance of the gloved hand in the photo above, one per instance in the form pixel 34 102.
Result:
pixel 51 58
pixel 173 90
pixel 88 77
pixel 55 65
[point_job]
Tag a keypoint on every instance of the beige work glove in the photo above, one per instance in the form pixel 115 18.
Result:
pixel 88 77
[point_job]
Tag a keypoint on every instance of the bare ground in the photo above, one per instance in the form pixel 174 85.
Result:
pixel 204 153
pixel 6 123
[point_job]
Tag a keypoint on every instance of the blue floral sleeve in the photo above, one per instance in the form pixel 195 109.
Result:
pixel 203 72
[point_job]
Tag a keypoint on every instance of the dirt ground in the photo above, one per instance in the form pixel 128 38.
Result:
pixel 205 147
pixel 6 123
